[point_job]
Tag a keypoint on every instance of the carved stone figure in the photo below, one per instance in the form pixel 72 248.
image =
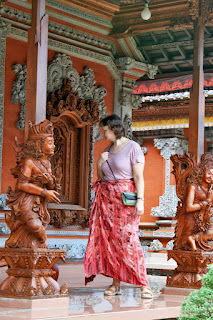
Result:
pixel 32 271
pixel 195 190
pixel 35 186
pixel 194 229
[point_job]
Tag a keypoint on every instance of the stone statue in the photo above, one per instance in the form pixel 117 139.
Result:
pixel 194 183
pixel 35 186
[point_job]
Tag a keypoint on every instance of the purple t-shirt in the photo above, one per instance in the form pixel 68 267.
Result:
pixel 122 161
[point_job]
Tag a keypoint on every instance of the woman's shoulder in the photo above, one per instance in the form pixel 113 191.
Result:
pixel 134 145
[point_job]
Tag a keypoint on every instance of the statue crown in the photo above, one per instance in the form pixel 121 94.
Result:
pixel 41 130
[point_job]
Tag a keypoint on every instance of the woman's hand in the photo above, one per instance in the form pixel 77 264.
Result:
pixel 51 196
pixel 103 157
pixel 139 208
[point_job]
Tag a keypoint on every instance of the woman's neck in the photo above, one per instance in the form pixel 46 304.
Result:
pixel 119 142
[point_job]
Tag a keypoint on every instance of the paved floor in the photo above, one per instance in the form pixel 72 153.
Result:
pixel 89 302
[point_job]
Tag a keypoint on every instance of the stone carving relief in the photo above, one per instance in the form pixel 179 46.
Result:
pixel 127 63
pixel 82 36
pixel 64 99
pixel 17 14
pixel 127 99
pixel 156 245
pixel 96 136
pixel 170 245
pixel 168 201
pixel 4 29
pixel 60 68
pixel 64 218
pixel 19 92
pixel 4 228
pixel 3 198
pixel 129 134
pixel 74 251
pixel 127 67
pixel 127 121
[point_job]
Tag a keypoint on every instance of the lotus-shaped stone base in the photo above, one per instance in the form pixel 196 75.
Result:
pixel 30 273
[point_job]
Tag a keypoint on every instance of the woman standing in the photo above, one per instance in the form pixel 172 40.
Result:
pixel 114 248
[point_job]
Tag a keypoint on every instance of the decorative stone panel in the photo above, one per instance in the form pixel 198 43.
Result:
pixel 168 201
pixel 4 28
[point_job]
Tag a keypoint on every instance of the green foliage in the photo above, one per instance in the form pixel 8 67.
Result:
pixel 199 304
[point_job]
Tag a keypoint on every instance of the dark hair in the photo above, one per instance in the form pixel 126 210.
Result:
pixel 114 122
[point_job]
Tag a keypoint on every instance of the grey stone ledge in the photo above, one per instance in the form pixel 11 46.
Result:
pixel 147 224
pixel 168 222
pixel 64 206
pixel 67 233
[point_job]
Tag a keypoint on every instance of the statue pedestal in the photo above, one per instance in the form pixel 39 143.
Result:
pixel 30 273
pixel 192 265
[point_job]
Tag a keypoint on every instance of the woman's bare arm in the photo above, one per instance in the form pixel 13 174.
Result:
pixel 139 184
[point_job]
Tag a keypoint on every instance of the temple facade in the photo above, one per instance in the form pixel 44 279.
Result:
pixel 98 65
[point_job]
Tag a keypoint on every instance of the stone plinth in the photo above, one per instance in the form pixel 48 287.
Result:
pixel 30 273
pixel 192 265
pixel 35 308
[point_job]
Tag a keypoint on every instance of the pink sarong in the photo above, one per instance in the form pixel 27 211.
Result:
pixel 114 248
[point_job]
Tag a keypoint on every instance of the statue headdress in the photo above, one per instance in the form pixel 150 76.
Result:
pixel 41 130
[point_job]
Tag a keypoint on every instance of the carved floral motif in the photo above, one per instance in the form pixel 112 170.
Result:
pixel 64 218
pixel 59 69
pixel 64 99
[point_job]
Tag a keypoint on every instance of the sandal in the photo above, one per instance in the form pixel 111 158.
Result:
pixel 146 293
pixel 112 291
